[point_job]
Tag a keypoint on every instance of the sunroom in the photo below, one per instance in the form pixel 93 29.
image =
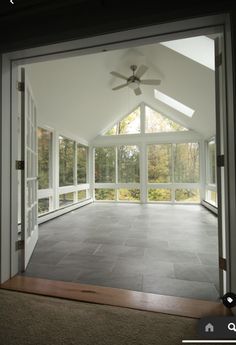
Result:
pixel 127 193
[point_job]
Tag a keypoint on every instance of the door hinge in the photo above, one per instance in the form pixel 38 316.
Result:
pixel 223 264
pixel 218 60
pixel 20 244
pixel 20 86
pixel 221 161
pixel 20 165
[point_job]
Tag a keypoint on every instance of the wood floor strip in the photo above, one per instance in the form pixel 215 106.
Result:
pixel 117 297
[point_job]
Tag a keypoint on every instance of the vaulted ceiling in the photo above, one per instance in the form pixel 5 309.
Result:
pixel 75 94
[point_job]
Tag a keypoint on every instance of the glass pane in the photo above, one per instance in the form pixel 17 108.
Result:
pixel 66 199
pixel 186 162
pixel 155 122
pixel 82 153
pixel 82 194
pixel 112 131
pixel 105 160
pixel 211 197
pixel 159 163
pixel 131 123
pixel 212 162
pixel 128 164
pixel 187 195
pixel 129 194
pixel 43 206
pixel 105 194
pixel 44 148
pixel 67 161
pixel 159 194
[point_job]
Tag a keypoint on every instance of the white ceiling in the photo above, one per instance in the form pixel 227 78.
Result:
pixel 200 49
pixel 75 94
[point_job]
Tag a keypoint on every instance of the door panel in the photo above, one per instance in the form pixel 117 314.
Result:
pixel 29 174
pixel 221 149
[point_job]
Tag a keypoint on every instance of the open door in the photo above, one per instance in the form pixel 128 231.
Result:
pixel 29 179
pixel 221 147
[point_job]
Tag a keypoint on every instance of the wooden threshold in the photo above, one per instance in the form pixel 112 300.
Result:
pixel 116 297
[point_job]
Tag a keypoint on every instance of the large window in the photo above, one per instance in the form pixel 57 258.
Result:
pixel 44 155
pixel 82 153
pixel 129 125
pixel 105 163
pixel 128 164
pixel 156 122
pixel 173 172
pixel 159 163
pixel 67 161
pixel 186 163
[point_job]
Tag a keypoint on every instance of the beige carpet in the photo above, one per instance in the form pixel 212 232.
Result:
pixel 35 320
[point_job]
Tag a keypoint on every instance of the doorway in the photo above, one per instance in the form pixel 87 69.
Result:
pixel 18 62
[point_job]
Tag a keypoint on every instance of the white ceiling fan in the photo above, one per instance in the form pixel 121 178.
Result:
pixel 134 80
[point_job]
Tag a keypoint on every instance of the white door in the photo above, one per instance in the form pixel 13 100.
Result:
pixel 221 147
pixel 29 180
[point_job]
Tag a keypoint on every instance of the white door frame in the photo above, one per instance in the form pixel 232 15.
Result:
pixel 144 35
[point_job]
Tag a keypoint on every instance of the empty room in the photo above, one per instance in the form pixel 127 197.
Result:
pixel 121 171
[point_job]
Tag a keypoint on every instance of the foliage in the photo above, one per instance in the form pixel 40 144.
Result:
pixel 212 162
pixel 187 195
pixel 104 194
pixel 82 153
pixel 186 162
pixel 129 194
pixel 128 164
pixel 129 125
pixel 159 163
pixel 44 147
pixel 66 199
pixel 43 205
pixel 105 160
pixel 82 194
pixel 156 122
pixel 159 194
pixel 66 161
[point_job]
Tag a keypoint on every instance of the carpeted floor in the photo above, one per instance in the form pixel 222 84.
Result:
pixel 35 320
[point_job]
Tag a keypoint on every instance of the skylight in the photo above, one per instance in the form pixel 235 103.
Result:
pixel 173 103
pixel 199 49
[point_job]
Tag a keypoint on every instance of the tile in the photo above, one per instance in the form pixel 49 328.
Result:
pixel 171 255
pixel 111 250
pixel 146 243
pixel 208 259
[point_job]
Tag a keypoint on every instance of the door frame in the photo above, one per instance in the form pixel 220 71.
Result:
pixel 214 24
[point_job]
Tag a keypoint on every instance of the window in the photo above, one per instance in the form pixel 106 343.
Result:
pixel 66 199
pixel 159 163
pixel 211 162
pixel 186 163
pixel 104 194
pixel 44 154
pixel 105 162
pixel 82 152
pixel 82 194
pixel 129 194
pixel 155 122
pixel 128 164
pixel 187 195
pixel 159 194
pixel 43 206
pixel 129 125
pixel 67 161
pixel 211 197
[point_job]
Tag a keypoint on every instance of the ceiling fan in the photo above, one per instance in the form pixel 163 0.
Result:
pixel 134 80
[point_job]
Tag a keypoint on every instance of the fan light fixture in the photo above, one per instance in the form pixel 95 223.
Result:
pixel 134 81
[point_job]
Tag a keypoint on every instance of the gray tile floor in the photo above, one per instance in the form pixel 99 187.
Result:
pixel 163 249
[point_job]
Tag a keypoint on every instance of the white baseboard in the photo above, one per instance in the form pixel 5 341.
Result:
pixel 210 207
pixel 61 211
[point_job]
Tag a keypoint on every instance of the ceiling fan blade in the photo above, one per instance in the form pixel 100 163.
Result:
pixel 120 86
pixel 141 70
pixel 116 74
pixel 150 81
pixel 137 91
